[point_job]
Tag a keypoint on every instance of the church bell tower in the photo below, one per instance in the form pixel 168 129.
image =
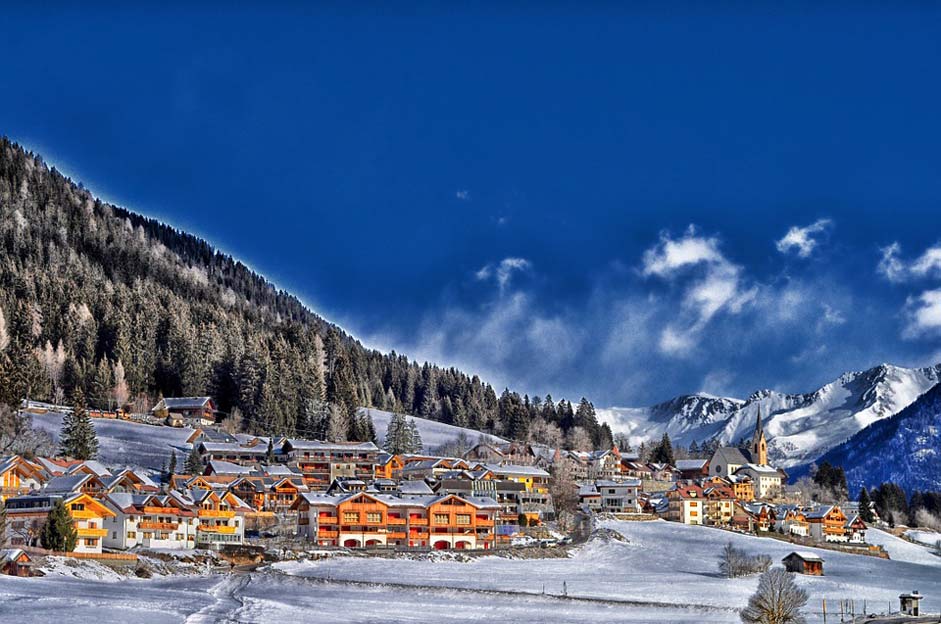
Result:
pixel 759 446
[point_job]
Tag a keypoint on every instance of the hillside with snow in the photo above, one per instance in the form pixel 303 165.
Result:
pixel 905 449
pixel 800 427
pixel 125 443
pixel 433 433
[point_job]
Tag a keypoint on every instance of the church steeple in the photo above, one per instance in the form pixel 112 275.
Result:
pixel 759 446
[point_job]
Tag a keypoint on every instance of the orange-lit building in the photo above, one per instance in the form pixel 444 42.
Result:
pixel 363 520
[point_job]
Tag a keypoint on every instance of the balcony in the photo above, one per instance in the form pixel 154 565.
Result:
pixel 159 526
pixel 418 521
pixel 327 519
pixel 83 514
pixel 221 528
pixel 161 510
pixel 484 522
pixel 216 513
pixel 392 520
pixel 418 535
pixel 395 535
pixel 87 532
pixel 327 534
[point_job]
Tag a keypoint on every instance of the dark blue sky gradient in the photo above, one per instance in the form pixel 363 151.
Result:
pixel 326 147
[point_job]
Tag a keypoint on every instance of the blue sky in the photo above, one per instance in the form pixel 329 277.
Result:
pixel 622 203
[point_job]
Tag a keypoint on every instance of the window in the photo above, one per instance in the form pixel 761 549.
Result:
pixel 131 534
pixel 350 517
pixel 463 519
pixel 441 518
pixel 114 535
pixel 373 517
pixel 78 507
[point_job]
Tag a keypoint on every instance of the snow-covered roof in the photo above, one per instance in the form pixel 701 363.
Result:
pixel 317 445
pixel 66 484
pixel 516 470
pixel 228 468
pixel 172 403
pixel 806 556
pixel 691 464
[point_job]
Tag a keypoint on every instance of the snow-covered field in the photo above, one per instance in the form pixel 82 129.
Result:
pixel 123 443
pixel 665 572
pixel 433 434
pixel 928 538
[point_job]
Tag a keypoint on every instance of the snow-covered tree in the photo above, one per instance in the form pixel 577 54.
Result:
pixel 78 439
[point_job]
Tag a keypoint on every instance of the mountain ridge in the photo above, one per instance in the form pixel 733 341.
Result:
pixel 800 426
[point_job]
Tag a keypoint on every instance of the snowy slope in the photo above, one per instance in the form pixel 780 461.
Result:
pixel 433 434
pixel 662 567
pixel 800 427
pixel 661 562
pixel 905 448
pixel 122 443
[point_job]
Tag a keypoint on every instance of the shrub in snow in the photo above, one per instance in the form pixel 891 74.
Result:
pixel 734 562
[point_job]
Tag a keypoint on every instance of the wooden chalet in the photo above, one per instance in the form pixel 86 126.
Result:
pixel 804 563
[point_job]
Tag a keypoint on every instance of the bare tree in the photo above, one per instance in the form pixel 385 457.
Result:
pixel 579 440
pixel 734 562
pixel 17 435
pixel 120 390
pixel 778 600
pixel 562 485
pixel 4 336
pixel 233 424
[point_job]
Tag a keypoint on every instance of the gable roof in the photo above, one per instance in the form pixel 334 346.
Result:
pixel 726 455
pixel 172 403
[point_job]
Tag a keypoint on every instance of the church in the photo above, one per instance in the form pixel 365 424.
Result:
pixel 731 462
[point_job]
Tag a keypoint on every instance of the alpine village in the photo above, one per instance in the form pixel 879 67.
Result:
pixel 161 402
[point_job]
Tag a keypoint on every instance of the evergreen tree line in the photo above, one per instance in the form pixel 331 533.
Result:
pixel 895 507
pixel 123 309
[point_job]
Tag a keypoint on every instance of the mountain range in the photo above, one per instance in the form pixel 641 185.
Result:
pixel 800 427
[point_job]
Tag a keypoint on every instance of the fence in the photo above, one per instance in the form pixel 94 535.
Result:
pixel 42 552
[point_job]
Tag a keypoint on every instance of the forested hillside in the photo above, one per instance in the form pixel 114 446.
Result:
pixel 93 296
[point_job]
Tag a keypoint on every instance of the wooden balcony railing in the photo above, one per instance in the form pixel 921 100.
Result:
pixel 396 521
pixel 327 534
pixel 158 526
pixel 161 510
pixel 216 513
pixel 221 528
pixel 86 532
pixel 327 519
pixel 418 521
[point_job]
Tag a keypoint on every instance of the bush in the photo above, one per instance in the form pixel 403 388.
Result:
pixel 734 562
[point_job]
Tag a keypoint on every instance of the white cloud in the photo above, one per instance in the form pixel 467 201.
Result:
pixel 463 194
pixel 890 266
pixel 802 239
pixel 503 271
pixel 670 255
pixel 924 312
pixel 716 287
pixel 929 263
pixel 895 269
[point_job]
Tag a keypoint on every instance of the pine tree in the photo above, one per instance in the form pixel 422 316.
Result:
pixel 171 468
pixel 269 455
pixel 398 435
pixel 3 524
pixel 865 508
pixel 194 463
pixel 663 452
pixel 414 437
pixel 58 533
pixel 78 438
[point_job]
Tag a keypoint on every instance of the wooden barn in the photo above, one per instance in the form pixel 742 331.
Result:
pixel 804 563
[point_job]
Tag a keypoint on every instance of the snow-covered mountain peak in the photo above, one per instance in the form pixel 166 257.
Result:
pixel 800 427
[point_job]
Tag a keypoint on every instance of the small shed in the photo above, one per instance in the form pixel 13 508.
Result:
pixel 15 562
pixel 909 604
pixel 804 563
